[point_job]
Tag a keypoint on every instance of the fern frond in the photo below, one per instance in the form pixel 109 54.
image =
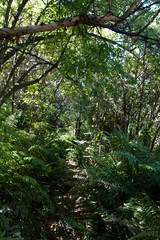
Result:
pixel 36 163
pixel 150 235
pixel 39 151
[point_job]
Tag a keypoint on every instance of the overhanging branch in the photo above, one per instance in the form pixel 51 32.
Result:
pixel 80 19
pixel 23 85
pixel 112 41
pixel 20 84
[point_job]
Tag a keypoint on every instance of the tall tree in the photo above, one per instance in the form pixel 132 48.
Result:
pixel 36 36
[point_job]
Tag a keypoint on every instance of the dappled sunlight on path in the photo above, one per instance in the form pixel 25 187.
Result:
pixel 72 219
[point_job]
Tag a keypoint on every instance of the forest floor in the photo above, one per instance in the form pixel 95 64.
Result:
pixel 72 219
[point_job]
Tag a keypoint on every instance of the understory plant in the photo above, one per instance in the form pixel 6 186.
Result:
pixel 123 189
pixel 30 165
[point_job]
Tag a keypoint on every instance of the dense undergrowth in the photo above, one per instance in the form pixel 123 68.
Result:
pixel 122 187
pixel 31 162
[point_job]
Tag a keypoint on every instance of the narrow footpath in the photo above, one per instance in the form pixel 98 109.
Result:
pixel 72 219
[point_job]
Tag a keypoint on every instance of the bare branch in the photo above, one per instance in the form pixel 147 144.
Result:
pixel 17 64
pixel 80 19
pixel 26 73
pixel 63 51
pixel 147 25
pixel 131 9
pixel 88 7
pixel 8 55
pixel 23 85
pixel 26 84
pixel 20 9
pixel 40 15
pixel 7 13
pixel 86 20
pixel 111 41
pixel 150 5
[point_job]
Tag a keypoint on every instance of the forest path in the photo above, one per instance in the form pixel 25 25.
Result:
pixel 72 219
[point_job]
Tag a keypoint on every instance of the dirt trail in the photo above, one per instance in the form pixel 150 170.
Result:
pixel 72 218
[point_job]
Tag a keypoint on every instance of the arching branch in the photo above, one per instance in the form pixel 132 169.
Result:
pixel 21 83
pixel 80 19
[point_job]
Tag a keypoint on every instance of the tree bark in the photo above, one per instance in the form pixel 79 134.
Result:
pixel 80 19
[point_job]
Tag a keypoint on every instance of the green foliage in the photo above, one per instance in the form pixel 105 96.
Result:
pixel 29 169
pixel 147 235
pixel 72 223
pixel 99 79
pixel 122 188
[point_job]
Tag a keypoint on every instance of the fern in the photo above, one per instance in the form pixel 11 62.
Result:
pixel 123 183
pixel 150 235
pixel 36 163
pixel 39 151
pixel 22 165
pixel 72 223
